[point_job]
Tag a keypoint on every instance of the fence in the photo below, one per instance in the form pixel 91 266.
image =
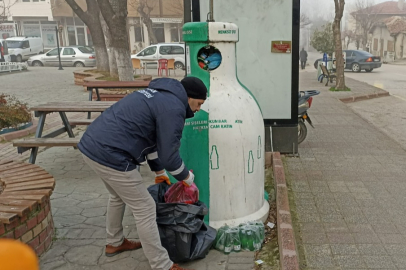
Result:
pixel 12 66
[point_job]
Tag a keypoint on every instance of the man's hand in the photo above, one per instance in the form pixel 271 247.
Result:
pixel 161 177
pixel 189 180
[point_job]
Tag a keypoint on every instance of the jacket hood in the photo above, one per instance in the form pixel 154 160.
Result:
pixel 176 88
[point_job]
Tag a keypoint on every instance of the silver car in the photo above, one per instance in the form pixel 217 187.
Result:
pixel 76 56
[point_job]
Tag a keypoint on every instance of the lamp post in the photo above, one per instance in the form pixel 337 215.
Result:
pixel 59 52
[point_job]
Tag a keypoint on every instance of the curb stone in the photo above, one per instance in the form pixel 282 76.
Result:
pixel 286 239
pixel 364 97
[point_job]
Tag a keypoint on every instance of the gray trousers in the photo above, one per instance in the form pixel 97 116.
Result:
pixel 127 188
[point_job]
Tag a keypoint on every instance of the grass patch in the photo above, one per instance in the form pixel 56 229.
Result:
pixel 295 219
pixel 269 252
pixel 333 89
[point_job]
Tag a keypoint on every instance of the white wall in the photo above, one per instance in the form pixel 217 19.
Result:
pixel 398 46
pixel 167 32
pixel 381 33
pixel 266 74
pixel 404 46
pixel 31 9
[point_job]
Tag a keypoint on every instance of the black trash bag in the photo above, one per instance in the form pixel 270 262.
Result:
pixel 181 217
pixel 158 191
pixel 181 227
pixel 185 247
pixel 202 241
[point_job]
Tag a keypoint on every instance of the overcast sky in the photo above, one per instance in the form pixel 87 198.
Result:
pixel 326 7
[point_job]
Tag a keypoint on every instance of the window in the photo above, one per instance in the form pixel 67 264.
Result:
pixel 390 46
pixel 69 21
pixel 53 52
pixel 138 33
pixel 32 30
pixel 68 51
pixel 171 50
pixel 148 51
pixel 85 49
pixel 177 50
pixel 25 45
pixel 165 50
pixel 71 35
pixel 158 29
pixel 375 44
pixel 12 44
pixel 176 31
pixel 78 21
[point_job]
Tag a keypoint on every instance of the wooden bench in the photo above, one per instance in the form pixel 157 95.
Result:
pixel 49 139
pixel 326 74
pixel 46 142
pixel 80 122
pixel 25 211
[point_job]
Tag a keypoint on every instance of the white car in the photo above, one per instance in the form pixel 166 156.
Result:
pixel 153 53
pixel 22 48
pixel 76 56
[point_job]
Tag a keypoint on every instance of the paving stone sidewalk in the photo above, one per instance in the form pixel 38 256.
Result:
pixel 349 188
pixel 79 211
pixel 79 201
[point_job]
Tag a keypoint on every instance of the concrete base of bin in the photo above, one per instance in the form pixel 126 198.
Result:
pixel 261 214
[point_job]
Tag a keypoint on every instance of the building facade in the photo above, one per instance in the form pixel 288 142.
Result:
pixel 386 37
pixel 42 17
pixel 30 18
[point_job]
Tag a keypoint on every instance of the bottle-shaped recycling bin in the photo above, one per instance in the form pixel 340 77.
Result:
pixel 223 143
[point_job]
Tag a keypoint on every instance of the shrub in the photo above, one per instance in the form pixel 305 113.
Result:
pixel 12 112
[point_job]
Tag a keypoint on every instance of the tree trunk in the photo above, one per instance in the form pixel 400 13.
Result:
pixel 364 41
pixel 99 45
pixel 124 65
pixel 151 33
pixel 110 50
pixel 340 80
pixel 116 21
pixel 91 19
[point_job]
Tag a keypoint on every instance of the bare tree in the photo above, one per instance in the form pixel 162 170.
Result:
pixel 144 8
pixel 348 36
pixel 304 20
pixel 91 18
pixel 5 6
pixel 115 14
pixel 110 48
pixel 366 15
pixel 339 10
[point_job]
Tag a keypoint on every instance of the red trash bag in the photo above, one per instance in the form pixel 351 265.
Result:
pixel 179 193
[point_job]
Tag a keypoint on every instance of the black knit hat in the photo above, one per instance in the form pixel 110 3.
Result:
pixel 194 87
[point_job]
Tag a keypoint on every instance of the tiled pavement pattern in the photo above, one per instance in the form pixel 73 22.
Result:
pixel 79 200
pixel 79 210
pixel 349 188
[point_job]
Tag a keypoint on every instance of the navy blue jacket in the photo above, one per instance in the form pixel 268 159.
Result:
pixel 146 124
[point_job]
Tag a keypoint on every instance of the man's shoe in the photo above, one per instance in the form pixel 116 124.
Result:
pixel 126 245
pixel 177 267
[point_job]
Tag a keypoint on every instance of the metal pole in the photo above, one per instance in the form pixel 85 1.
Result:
pixel 59 52
pixel 211 11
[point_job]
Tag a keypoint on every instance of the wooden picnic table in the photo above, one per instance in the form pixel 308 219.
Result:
pixel 115 84
pixel 60 107
pixel 95 85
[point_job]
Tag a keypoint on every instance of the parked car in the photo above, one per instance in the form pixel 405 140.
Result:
pixel 22 48
pixel 77 56
pixel 163 51
pixel 4 54
pixel 357 60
